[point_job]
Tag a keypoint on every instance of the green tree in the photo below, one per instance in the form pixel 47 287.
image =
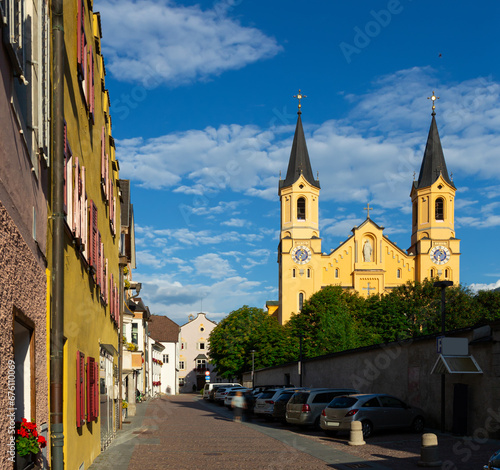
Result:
pixel 244 330
pixel 329 322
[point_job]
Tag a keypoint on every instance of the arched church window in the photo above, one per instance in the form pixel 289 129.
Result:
pixel 308 273
pixel 415 213
pixel 446 273
pixel 398 273
pixel 301 209
pixel 293 272
pixel 432 273
pixel 439 208
pixel 301 301
pixel 336 272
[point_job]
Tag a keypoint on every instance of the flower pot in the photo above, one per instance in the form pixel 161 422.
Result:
pixel 25 462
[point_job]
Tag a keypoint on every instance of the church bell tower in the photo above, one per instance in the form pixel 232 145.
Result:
pixel 299 251
pixel 433 240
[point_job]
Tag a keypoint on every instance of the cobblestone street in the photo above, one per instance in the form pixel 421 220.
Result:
pixel 184 432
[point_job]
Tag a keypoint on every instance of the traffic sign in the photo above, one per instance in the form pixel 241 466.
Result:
pixel 207 372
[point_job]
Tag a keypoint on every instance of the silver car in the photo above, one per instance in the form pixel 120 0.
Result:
pixel 375 411
pixel 305 406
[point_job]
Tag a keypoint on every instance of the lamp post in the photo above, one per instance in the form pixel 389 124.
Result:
pixel 253 367
pixel 443 285
pixel 301 336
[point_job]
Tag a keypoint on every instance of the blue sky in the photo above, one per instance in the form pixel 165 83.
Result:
pixel 203 116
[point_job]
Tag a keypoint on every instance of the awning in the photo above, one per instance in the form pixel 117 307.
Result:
pixel 110 349
pixel 456 365
pixel 201 356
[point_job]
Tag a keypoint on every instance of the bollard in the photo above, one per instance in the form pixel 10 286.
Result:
pixel 429 451
pixel 356 438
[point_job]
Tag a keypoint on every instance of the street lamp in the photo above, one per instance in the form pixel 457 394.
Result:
pixel 301 336
pixel 253 367
pixel 443 285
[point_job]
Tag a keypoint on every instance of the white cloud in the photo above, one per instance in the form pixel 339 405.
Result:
pixel 478 287
pixel 235 223
pixel 159 42
pixel 213 266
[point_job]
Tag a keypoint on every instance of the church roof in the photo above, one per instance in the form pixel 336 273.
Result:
pixel 299 159
pixel 433 163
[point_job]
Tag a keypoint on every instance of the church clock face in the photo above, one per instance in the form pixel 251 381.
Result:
pixel 301 254
pixel 439 255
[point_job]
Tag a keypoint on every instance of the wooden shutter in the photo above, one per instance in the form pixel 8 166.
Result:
pixel 103 152
pixel 69 189
pixel 93 236
pixel 97 391
pixel 90 388
pixel 91 86
pixel 117 306
pixel 81 35
pixel 84 217
pixel 80 389
pixel 76 201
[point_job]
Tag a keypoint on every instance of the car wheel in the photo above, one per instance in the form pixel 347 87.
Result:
pixel 418 424
pixel 367 427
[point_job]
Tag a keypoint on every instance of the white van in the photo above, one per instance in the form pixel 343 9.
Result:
pixel 209 386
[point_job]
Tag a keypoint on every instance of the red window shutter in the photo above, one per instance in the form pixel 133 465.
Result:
pixel 97 400
pixel 84 217
pixel 99 259
pixel 80 22
pixel 93 236
pixel 112 297
pixel 91 85
pixel 117 306
pixel 103 152
pixel 76 201
pixel 114 215
pixel 80 389
pixel 90 389
pixel 106 177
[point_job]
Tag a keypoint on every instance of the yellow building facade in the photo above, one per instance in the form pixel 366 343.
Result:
pixel 367 262
pixel 92 245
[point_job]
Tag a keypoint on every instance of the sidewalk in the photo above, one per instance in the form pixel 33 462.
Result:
pixel 119 452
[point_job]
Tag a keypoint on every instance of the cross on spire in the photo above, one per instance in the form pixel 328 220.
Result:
pixel 299 96
pixel 368 209
pixel 433 98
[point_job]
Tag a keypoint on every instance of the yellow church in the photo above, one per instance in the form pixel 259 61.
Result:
pixel 367 262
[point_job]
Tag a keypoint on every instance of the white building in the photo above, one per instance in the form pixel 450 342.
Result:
pixel 166 332
pixel 155 360
pixel 194 353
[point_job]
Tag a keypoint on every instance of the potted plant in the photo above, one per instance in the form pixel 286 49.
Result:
pixel 28 444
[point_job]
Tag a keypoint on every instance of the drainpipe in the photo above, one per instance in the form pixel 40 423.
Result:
pixel 57 300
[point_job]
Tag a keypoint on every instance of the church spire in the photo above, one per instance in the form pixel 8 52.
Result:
pixel 433 163
pixel 299 163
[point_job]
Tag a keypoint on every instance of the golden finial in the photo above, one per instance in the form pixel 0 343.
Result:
pixel 368 209
pixel 433 98
pixel 299 96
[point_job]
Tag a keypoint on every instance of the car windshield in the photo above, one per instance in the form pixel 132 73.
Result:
pixel 299 398
pixel 342 402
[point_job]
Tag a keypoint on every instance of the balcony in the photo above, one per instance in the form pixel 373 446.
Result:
pixel 200 370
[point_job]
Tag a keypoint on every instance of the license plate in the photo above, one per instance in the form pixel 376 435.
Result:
pixel 333 423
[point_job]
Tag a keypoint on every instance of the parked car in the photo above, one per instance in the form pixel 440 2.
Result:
pixel 232 393
pixel 221 393
pixel 279 410
pixel 305 406
pixel 264 403
pixel 375 411
pixel 209 387
pixel 494 462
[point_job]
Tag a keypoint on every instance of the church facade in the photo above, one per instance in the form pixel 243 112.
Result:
pixel 367 262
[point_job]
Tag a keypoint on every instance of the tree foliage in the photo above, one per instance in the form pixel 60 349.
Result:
pixel 244 330
pixel 334 319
